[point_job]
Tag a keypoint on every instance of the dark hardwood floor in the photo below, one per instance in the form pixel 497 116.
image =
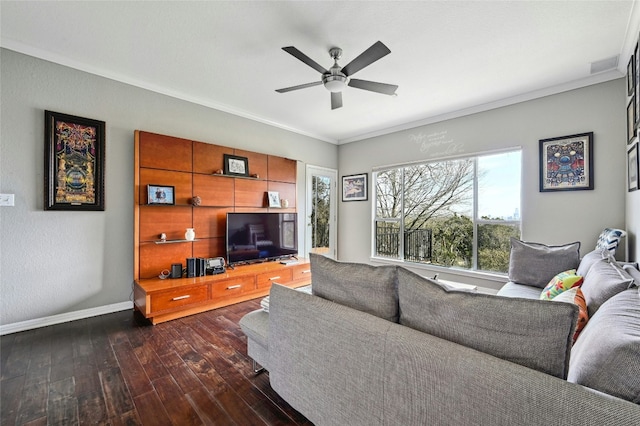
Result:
pixel 117 369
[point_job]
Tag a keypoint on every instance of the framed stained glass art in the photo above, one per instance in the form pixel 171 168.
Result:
pixel 74 162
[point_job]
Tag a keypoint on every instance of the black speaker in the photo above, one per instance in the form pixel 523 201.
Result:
pixel 201 270
pixel 191 267
pixel 176 270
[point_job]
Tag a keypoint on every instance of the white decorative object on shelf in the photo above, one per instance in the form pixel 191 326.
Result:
pixel 190 235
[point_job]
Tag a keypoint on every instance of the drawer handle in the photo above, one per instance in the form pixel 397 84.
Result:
pixel 181 297
pixel 231 287
pixel 274 278
pixel 306 271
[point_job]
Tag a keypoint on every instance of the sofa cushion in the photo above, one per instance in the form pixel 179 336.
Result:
pixel 512 289
pixel 606 357
pixel 256 326
pixel 535 264
pixel 576 297
pixel 513 329
pixel 560 283
pixel 589 259
pixel 371 289
pixel 604 280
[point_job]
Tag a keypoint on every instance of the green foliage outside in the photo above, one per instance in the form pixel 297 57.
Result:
pixel 494 246
pixel 320 212
pixel 453 243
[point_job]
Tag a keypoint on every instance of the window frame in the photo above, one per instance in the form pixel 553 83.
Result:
pixel 477 221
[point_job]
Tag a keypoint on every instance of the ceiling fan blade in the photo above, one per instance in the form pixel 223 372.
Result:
pixel 304 58
pixel 366 58
pixel 336 100
pixel 300 86
pixel 372 86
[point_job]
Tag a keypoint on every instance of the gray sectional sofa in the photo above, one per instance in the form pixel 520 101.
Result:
pixel 385 346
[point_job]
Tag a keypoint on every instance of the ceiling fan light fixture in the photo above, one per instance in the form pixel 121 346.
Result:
pixel 334 83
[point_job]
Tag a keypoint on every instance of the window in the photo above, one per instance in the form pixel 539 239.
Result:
pixel 456 212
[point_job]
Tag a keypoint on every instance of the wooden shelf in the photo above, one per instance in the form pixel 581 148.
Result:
pixel 190 166
pixel 175 241
pixel 235 176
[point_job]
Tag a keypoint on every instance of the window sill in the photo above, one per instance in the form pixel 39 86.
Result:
pixel 494 280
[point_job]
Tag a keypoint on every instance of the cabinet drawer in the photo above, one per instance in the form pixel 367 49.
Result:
pixel 178 297
pixel 232 287
pixel 301 272
pixel 265 279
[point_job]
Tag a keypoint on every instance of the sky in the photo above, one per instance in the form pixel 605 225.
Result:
pixel 499 188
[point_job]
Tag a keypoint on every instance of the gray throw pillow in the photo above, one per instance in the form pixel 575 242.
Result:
pixel 533 333
pixel 371 289
pixel 606 356
pixel 589 259
pixel 604 280
pixel 535 264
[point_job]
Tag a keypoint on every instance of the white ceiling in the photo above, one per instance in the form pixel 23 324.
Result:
pixel 448 57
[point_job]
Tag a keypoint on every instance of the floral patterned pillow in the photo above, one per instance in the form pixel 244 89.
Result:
pixel 576 297
pixel 560 283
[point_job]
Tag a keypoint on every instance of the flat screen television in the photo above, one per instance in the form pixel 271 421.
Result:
pixel 257 237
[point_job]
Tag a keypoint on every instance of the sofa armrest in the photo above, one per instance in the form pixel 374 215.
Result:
pixel 326 358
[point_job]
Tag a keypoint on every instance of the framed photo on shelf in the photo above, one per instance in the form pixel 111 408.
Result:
pixel 632 168
pixel 631 119
pixel 274 199
pixel 354 187
pixel 235 165
pixel 74 162
pixel 161 194
pixel 566 163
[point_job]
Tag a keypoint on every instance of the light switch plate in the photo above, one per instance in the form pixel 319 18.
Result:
pixel 7 200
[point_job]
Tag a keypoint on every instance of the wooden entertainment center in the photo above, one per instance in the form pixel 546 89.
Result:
pixel 192 168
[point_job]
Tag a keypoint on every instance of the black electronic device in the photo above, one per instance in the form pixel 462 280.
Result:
pixel 191 267
pixel 258 236
pixel 201 269
pixel 214 265
pixel 176 270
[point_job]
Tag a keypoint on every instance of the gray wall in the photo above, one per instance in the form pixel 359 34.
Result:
pixel 54 263
pixel 552 218
pixel 60 262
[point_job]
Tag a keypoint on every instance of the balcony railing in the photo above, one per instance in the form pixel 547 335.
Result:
pixel 417 243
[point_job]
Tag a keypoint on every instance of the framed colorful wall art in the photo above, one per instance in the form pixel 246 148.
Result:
pixel 74 162
pixel 566 163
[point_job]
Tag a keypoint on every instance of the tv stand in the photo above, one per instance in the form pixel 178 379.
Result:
pixel 162 300
pixel 191 167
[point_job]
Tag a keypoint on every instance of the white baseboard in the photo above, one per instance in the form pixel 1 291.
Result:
pixel 66 317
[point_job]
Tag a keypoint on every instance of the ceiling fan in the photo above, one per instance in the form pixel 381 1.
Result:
pixel 336 78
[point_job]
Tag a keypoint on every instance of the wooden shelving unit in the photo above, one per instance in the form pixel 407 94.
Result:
pixel 191 166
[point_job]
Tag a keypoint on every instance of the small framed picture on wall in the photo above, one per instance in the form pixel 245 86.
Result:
pixel 631 119
pixel 632 168
pixel 631 75
pixel 354 187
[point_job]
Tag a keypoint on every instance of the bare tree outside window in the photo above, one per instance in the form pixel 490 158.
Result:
pixel 425 213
